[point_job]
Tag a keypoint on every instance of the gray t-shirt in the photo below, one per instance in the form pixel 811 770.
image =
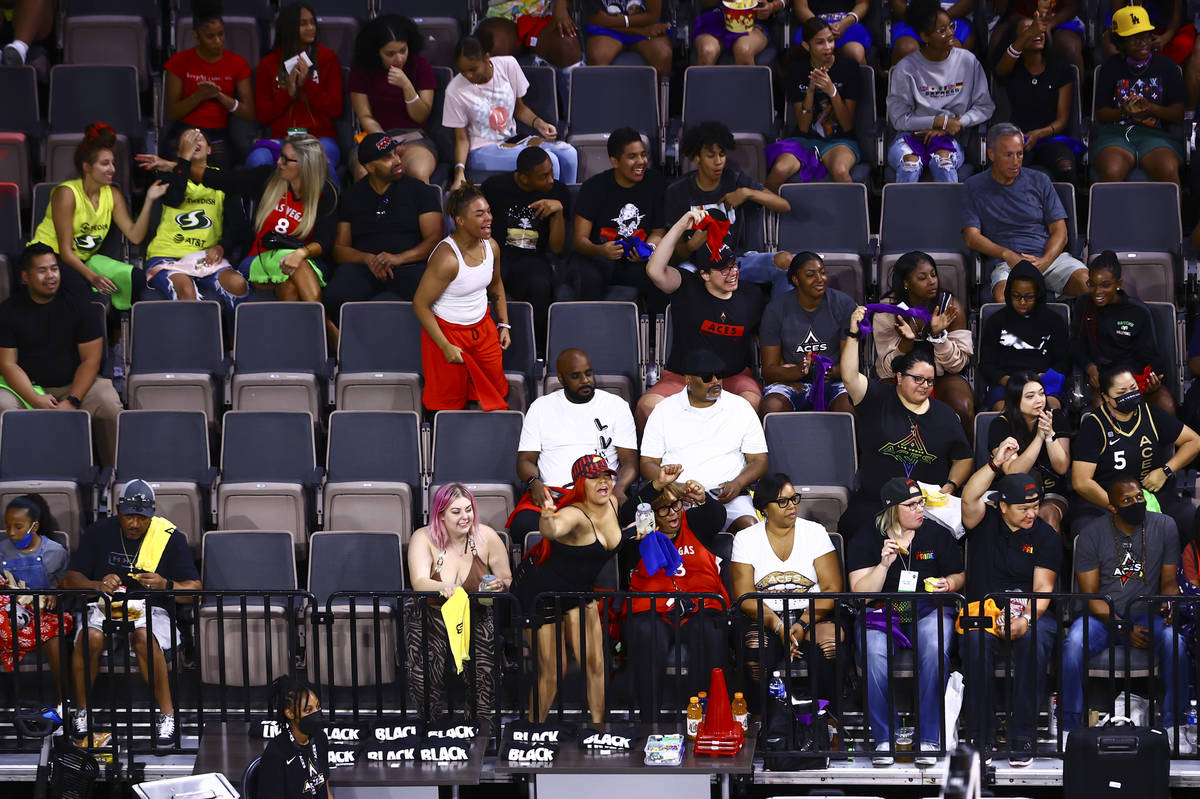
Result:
pixel 40 569
pixel 796 331
pixel 1017 216
pixel 1127 570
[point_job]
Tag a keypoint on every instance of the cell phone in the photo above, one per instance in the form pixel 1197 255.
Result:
pixel 520 137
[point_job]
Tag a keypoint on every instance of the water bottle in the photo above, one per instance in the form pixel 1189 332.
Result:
pixel 644 519
pixel 1189 728
pixel 1052 725
pixel 776 687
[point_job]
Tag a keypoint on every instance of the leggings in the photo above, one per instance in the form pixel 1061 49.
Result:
pixel 427 653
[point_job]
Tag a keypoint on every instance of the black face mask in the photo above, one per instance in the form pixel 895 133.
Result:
pixel 1134 514
pixel 312 724
pixel 1128 403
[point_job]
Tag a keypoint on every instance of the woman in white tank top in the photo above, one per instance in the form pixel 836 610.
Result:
pixel 461 348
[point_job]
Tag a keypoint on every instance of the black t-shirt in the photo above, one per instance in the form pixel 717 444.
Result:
pixel 1034 98
pixel 104 549
pixel 47 336
pixel 615 211
pixel 932 553
pixel 518 232
pixel 844 74
pixel 895 442
pixel 1000 559
pixel 700 320
pixel 290 771
pixel 684 195
pixel 1160 82
pixel 1136 447
pixel 1052 481
pixel 388 222
pixel 822 7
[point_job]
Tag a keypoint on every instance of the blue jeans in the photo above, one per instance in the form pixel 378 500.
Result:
pixel 494 158
pixel 1075 660
pixel 261 155
pixel 931 676
pixel 981 652
pixel 942 170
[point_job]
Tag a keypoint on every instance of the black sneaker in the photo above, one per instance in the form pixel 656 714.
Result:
pixel 164 729
pixel 1021 755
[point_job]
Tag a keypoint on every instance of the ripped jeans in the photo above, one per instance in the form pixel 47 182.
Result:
pixel 941 169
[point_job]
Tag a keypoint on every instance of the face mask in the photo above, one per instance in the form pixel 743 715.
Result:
pixel 313 723
pixel 1128 403
pixel 28 539
pixel 1133 514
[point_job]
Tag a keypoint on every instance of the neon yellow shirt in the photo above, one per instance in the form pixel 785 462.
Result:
pixel 195 225
pixel 88 227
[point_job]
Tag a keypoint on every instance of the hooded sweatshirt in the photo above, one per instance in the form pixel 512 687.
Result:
pixel 1119 333
pixel 1012 343
pixel 920 89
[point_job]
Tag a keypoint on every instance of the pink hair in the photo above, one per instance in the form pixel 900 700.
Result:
pixel 441 500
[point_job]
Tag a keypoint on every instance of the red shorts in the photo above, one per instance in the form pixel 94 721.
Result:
pixel 449 386
pixel 528 29
pixel 671 383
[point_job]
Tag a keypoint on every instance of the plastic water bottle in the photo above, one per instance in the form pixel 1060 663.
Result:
pixel 776 687
pixel 644 519
pixel 1189 727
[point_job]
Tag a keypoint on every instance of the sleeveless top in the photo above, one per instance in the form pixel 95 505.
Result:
pixel 194 225
pixel 470 583
pixel 464 302
pixel 89 226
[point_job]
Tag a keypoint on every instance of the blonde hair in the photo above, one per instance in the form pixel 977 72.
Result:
pixel 314 172
pixel 888 521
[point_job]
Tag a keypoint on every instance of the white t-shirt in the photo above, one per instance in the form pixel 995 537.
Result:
pixel 797 574
pixel 710 443
pixel 561 432
pixel 486 109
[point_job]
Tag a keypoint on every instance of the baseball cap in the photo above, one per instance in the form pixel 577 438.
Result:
pixel 375 145
pixel 897 490
pixel 1130 20
pixel 137 498
pixel 702 362
pixel 591 465
pixel 1016 489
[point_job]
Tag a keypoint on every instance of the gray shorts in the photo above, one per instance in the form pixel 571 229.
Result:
pixel 1056 275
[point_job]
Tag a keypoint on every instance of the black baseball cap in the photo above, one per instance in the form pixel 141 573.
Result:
pixel 1015 489
pixel 898 490
pixel 702 362
pixel 375 145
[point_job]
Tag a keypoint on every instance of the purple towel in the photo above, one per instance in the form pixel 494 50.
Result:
pixel 816 392
pixel 924 150
pixel 884 307
pixel 1052 381
pixel 811 168
pixel 878 620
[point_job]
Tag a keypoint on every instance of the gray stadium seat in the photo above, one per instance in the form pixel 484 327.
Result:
pixel 22 127
pixel 1172 344
pixel 983 422
pixel 1140 222
pixel 109 39
pixel 273 372
pixel 905 224
pixel 490 471
pixel 742 98
pixel 379 357
pixel 831 220
pixel 824 483
pixel 520 359
pixel 359 10
pixel 373 471
pixel 603 99
pixel 80 95
pixel 617 357
pixel 542 95
pixel 441 34
pixel 178 361
pixel 11 243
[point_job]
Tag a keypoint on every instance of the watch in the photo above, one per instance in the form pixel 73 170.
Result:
pixel 529 482
pixel 1167 470
pixel 71 398
pixel 854 333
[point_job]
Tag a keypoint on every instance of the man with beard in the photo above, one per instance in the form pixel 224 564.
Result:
pixel 565 425
pixel 388 225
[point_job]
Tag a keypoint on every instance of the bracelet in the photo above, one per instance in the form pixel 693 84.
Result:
pixel 853 334
pixel 413 100
pixel 805 111
pixel 461 165
pixel 1014 52
pixel 236 103
pixel 533 123
pixel 503 326
pixel 169 586
pixel 834 92
pixel 857 18
pixel 626 16
pixel 995 468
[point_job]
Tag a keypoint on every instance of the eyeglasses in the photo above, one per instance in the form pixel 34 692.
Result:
pixel 724 270
pixel 920 381
pixel 913 504
pixel 783 502
pixel 1024 297
pixel 287 160
pixel 674 507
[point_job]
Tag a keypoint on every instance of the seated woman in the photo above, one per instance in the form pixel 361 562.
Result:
pixel 453 551
pixel 307 96
pixel 928 123
pixel 1061 22
pixel 852 38
pixel 823 91
pixel 579 537
pixel 915 285
pixel 391 90
pixel 906 40
pixel 614 25
pixel 1023 336
pixel 29 560
pixel 295 764
pixel 786 554
pixel 710 36
pixel 82 211
pixel 796 327
pixel 207 84
pixel 1040 89
pixel 186 258
pixel 684 515
pixel 543 28
pixel 483 105
pixel 1138 93
pixel 1045 451
pixel 1109 327
pixel 918 554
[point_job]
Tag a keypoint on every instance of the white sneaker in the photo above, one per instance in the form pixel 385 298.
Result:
pixel 164 729
pixel 927 761
pixel 883 755
pixel 58 731
pixel 79 723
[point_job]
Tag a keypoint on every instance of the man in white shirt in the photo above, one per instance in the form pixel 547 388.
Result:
pixel 713 434
pixel 565 425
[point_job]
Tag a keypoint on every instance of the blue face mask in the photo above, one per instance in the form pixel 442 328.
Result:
pixel 27 540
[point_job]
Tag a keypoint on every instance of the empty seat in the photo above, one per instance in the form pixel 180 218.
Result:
pixel 617 357
pixel 379 357
pixel 1170 337
pixel 983 423
pixel 178 361
pixel 440 36
pixel 82 94
pixel 14 165
pixel 541 96
pixel 926 217
pixel 356 635
pixel 49 452
pixel 268 471
pixel 823 482
pixel 279 357
pixel 22 125
pixel 169 450
pixel 11 244
pixel 739 96
pixel 479 450
pixel 373 471
pixel 603 99
pixel 831 220
pixel 1140 222
pixel 257 651
pixel 108 39
pixel 520 359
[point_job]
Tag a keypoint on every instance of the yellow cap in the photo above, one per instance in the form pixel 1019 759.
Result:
pixel 1131 20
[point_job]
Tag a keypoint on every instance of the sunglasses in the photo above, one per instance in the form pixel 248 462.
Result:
pixel 707 377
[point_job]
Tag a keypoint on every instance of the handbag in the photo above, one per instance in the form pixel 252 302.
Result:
pixel 786 738
pixel 279 241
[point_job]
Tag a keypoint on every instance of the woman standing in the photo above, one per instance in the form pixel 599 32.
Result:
pixel 460 346
pixel 295 764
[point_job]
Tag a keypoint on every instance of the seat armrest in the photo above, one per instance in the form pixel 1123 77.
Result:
pixel 209 478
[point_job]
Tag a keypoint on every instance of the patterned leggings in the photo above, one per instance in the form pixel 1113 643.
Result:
pixel 427 649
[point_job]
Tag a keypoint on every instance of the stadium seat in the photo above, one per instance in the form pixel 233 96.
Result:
pixel 905 224
pixel 14 164
pixel 359 10
pixel 11 243
pixel 379 357
pixel 272 372
pixel 1140 222
pixel 1171 339
pixel 541 97
pixel 357 633
pixel 520 359
pixel 490 471
pixel 268 470
pixel 441 34
pixel 254 562
pixel 831 220
pixel 21 127
pixel 178 361
pixel 373 471
pixel 49 452
pixel 110 39
pixel 603 99
pixel 742 98
pixel 242 36
pixel 442 136
pixel 80 95
pixel 983 422
pixel 609 333
pixel 169 450
pixel 824 483
pixel 1066 195
pixel 460 10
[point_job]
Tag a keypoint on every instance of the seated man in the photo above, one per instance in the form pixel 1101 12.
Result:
pixel 562 427
pixel 134 555
pixel 714 435
pixel 529 210
pixel 1011 214
pixel 1009 549
pixel 388 225
pixel 1128 555
pixel 51 348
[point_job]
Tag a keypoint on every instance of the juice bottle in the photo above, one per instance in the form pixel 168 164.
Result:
pixel 738 708
pixel 694 716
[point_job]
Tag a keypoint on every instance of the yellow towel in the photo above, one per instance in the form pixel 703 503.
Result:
pixel 155 541
pixel 456 614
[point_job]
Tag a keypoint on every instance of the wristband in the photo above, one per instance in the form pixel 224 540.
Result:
pixel 503 326
pixel 938 339
pixel 461 165
pixel 855 15
pixel 169 586
pixel 834 93
pixel 1167 470
pixel 803 624
pixel 626 16
pixel 413 100
pixel 853 334
pixel 71 398
pixel 1014 52
pixel 952 483
pixel 995 468
pixel 236 103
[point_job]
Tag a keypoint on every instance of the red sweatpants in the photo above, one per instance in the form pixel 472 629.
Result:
pixel 449 386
